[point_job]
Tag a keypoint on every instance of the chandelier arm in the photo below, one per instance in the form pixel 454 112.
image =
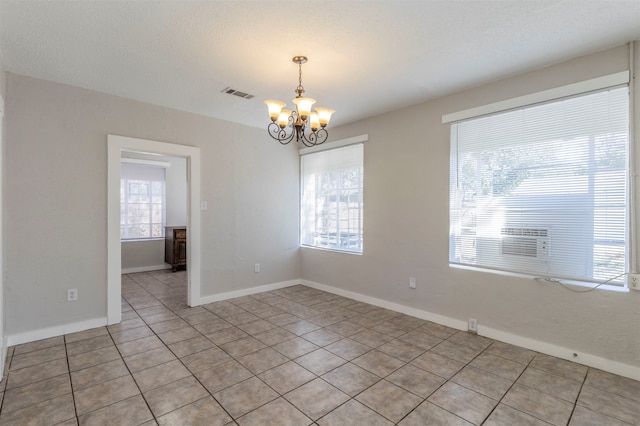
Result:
pixel 314 138
pixel 279 134
pixel 287 140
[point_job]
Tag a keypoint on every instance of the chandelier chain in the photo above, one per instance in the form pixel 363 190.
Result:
pixel 300 88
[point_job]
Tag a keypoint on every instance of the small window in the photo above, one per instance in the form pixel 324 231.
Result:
pixel 543 189
pixel 331 199
pixel 142 201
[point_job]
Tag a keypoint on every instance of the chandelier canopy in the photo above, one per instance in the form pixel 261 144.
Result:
pixel 306 126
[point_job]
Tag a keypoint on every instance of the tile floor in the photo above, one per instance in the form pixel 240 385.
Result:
pixel 295 356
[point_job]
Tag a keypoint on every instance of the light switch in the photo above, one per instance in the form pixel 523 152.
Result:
pixel 412 282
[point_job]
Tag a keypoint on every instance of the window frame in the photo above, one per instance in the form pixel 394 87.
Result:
pixel 358 140
pixel 577 89
pixel 125 205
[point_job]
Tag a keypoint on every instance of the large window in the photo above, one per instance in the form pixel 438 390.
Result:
pixel 142 201
pixel 331 199
pixel 543 189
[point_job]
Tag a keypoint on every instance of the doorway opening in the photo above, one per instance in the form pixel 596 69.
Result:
pixel 116 146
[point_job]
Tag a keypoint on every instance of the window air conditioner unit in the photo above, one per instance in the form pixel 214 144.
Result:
pixel 525 242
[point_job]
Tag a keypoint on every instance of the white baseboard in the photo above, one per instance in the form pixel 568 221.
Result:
pixel 589 360
pixel 58 330
pixel 145 268
pixel 418 313
pixel 247 291
pixel 45 333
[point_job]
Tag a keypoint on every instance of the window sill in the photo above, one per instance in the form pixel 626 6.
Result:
pixel 580 286
pixel 142 239
pixel 331 250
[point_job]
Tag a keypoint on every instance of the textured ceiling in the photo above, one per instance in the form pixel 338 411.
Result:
pixel 365 57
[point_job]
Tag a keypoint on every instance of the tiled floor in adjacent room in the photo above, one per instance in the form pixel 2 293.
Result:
pixel 294 356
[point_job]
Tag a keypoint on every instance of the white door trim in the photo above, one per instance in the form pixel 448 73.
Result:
pixel 115 146
pixel 3 327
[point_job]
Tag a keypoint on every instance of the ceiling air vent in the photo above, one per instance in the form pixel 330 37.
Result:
pixel 234 92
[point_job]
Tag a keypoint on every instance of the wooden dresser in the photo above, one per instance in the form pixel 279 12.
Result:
pixel 175 246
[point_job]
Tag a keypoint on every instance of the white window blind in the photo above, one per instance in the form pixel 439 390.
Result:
pixel 331 199
pixel 543 189
pixel 142 201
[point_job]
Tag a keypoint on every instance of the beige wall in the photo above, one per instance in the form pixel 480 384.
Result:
pixel 406 226
pixel 56 199
pixel 145 254
pixel 3 77
pixel 176 192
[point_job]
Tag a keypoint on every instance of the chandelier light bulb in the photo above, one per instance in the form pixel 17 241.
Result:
pixel 283 118
pixel 303 105
pixel 274 108
pixel 314 121
pixel 324 115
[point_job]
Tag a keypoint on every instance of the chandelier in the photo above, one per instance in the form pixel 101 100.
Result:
pixel 306 126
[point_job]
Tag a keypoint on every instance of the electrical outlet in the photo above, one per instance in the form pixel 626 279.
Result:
pixel 634 281
pixel 473 325
pixel 412 282
pixel 256 268
pixel 72 295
